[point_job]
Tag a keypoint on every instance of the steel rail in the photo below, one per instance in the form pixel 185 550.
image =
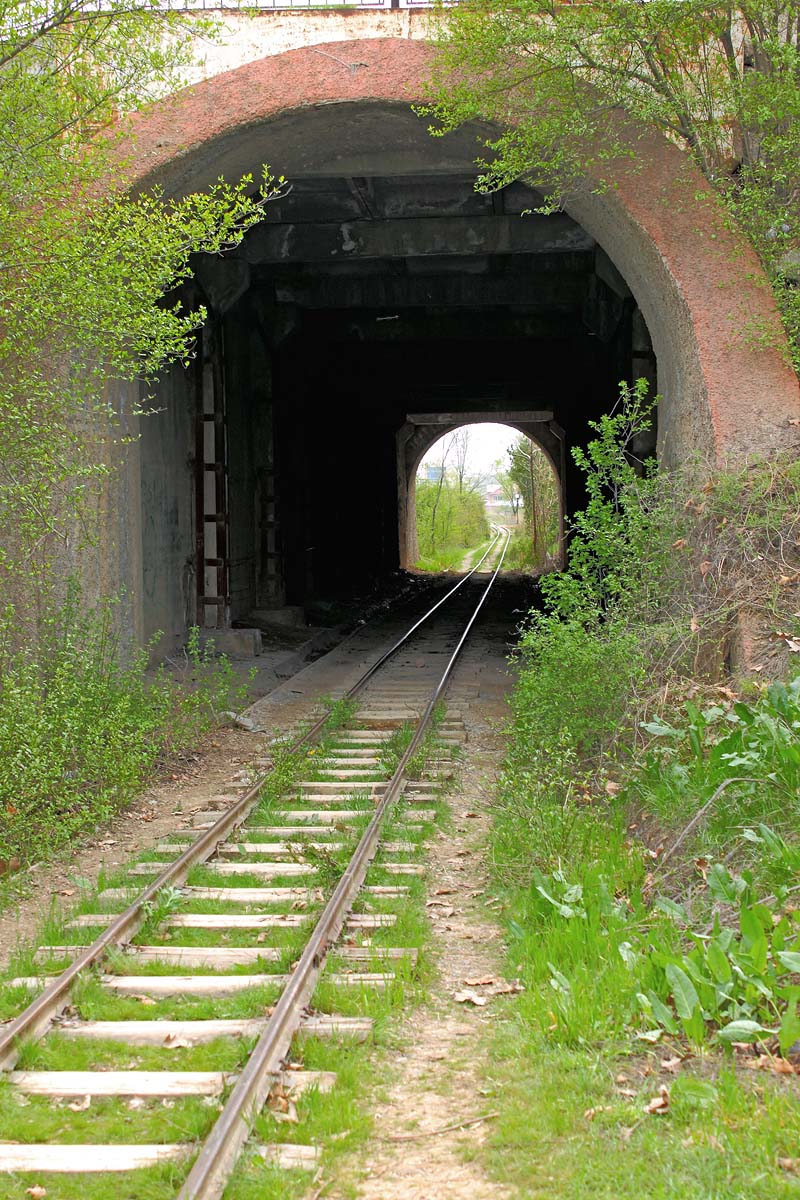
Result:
pixel 34 1020
pixel 215 1162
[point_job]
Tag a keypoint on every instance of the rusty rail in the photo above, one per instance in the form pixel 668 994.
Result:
pixel 213 1166
pixel 36 1018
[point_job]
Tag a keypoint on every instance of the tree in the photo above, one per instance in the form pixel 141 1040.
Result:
pixel 720 80
pixel 87 271
pixel 531 473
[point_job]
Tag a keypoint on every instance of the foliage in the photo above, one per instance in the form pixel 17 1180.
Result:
pixel 81 730
pixel 448 519
pixel 661 907
pixel 533 478
pixel 719 80
pixel 86 270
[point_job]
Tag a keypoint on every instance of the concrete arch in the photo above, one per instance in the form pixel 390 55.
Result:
pixel 727 388
pixel 423 430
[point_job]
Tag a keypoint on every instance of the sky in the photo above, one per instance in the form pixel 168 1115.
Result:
pixel 487 443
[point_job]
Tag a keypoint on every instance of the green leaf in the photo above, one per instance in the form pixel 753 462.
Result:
pixel 741 1031
pixel 695 1027
pixel 718 963
pixel 789 1031
pixel 789 959
pixel 676 911
pixel 698 1093
pixel 683 991
pixel 662 1014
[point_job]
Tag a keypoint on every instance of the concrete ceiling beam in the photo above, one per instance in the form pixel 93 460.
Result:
pixel 414 237
pixel 547 295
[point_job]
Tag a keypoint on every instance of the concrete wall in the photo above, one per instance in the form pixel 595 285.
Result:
pixel 245 37
pixel 166 592
pixel 345 110
pixel 699 287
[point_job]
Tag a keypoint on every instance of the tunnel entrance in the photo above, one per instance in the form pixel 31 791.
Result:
pixel 369 314
pixel 465 484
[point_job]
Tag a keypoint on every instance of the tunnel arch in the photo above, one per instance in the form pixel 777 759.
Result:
pixel 724 393
pixel 423 430
pixel 661 254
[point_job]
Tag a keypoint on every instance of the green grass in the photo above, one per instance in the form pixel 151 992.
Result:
pixel 547 1143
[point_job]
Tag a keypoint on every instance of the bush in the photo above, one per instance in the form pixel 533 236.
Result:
pixel 81 729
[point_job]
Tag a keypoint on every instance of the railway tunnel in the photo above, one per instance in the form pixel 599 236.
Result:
pixel 382 302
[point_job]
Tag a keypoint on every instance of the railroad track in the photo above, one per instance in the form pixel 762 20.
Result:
pixel 308 873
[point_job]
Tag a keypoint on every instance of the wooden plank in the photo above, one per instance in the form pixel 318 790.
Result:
pixel 196 985
pixel 215 957
pixel 254 895
pixel 265 869
pixel 290 1156
pixel 161 1033
pixel 358 1028
pixel 327 816
pixel 373 953
pixel 261 868
pixel 280 848
pixel 175 1034
pixel 155 1084
pixel 236 921
pixel 207 920
pixel 71 1160
pixel 273 848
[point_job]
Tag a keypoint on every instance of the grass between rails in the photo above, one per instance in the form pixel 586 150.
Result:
pixel 645 852
pixel 335 1121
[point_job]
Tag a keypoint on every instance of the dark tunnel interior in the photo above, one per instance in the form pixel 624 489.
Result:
pixel 276 472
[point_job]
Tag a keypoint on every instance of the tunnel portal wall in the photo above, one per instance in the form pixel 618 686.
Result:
pixel 295 406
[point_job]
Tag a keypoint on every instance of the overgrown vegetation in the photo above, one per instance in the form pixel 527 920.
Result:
pixel 450 521
pixel 645 835
pixel 534 547
pixel 719 80
pixel 86 296
pixel 82 726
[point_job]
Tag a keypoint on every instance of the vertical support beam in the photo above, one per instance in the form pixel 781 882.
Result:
pixel 211 483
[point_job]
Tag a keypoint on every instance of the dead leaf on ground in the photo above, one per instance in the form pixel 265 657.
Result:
pixel 37 1192
pixel 467 996
pixel 80 1105
pixel 471 815
pixel 445 891
pixel 659 1103
pixel 148 1001
pixel 769 1062
pixel 612 789
pixel 480 981
pixel 173 1041
pixel 673 1065
pixel 789 1164
pixel 508 987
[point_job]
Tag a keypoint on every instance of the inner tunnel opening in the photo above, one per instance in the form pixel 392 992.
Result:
pixel 473 482
pixel 382 303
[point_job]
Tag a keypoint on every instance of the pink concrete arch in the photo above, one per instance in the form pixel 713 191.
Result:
pixel 727 387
